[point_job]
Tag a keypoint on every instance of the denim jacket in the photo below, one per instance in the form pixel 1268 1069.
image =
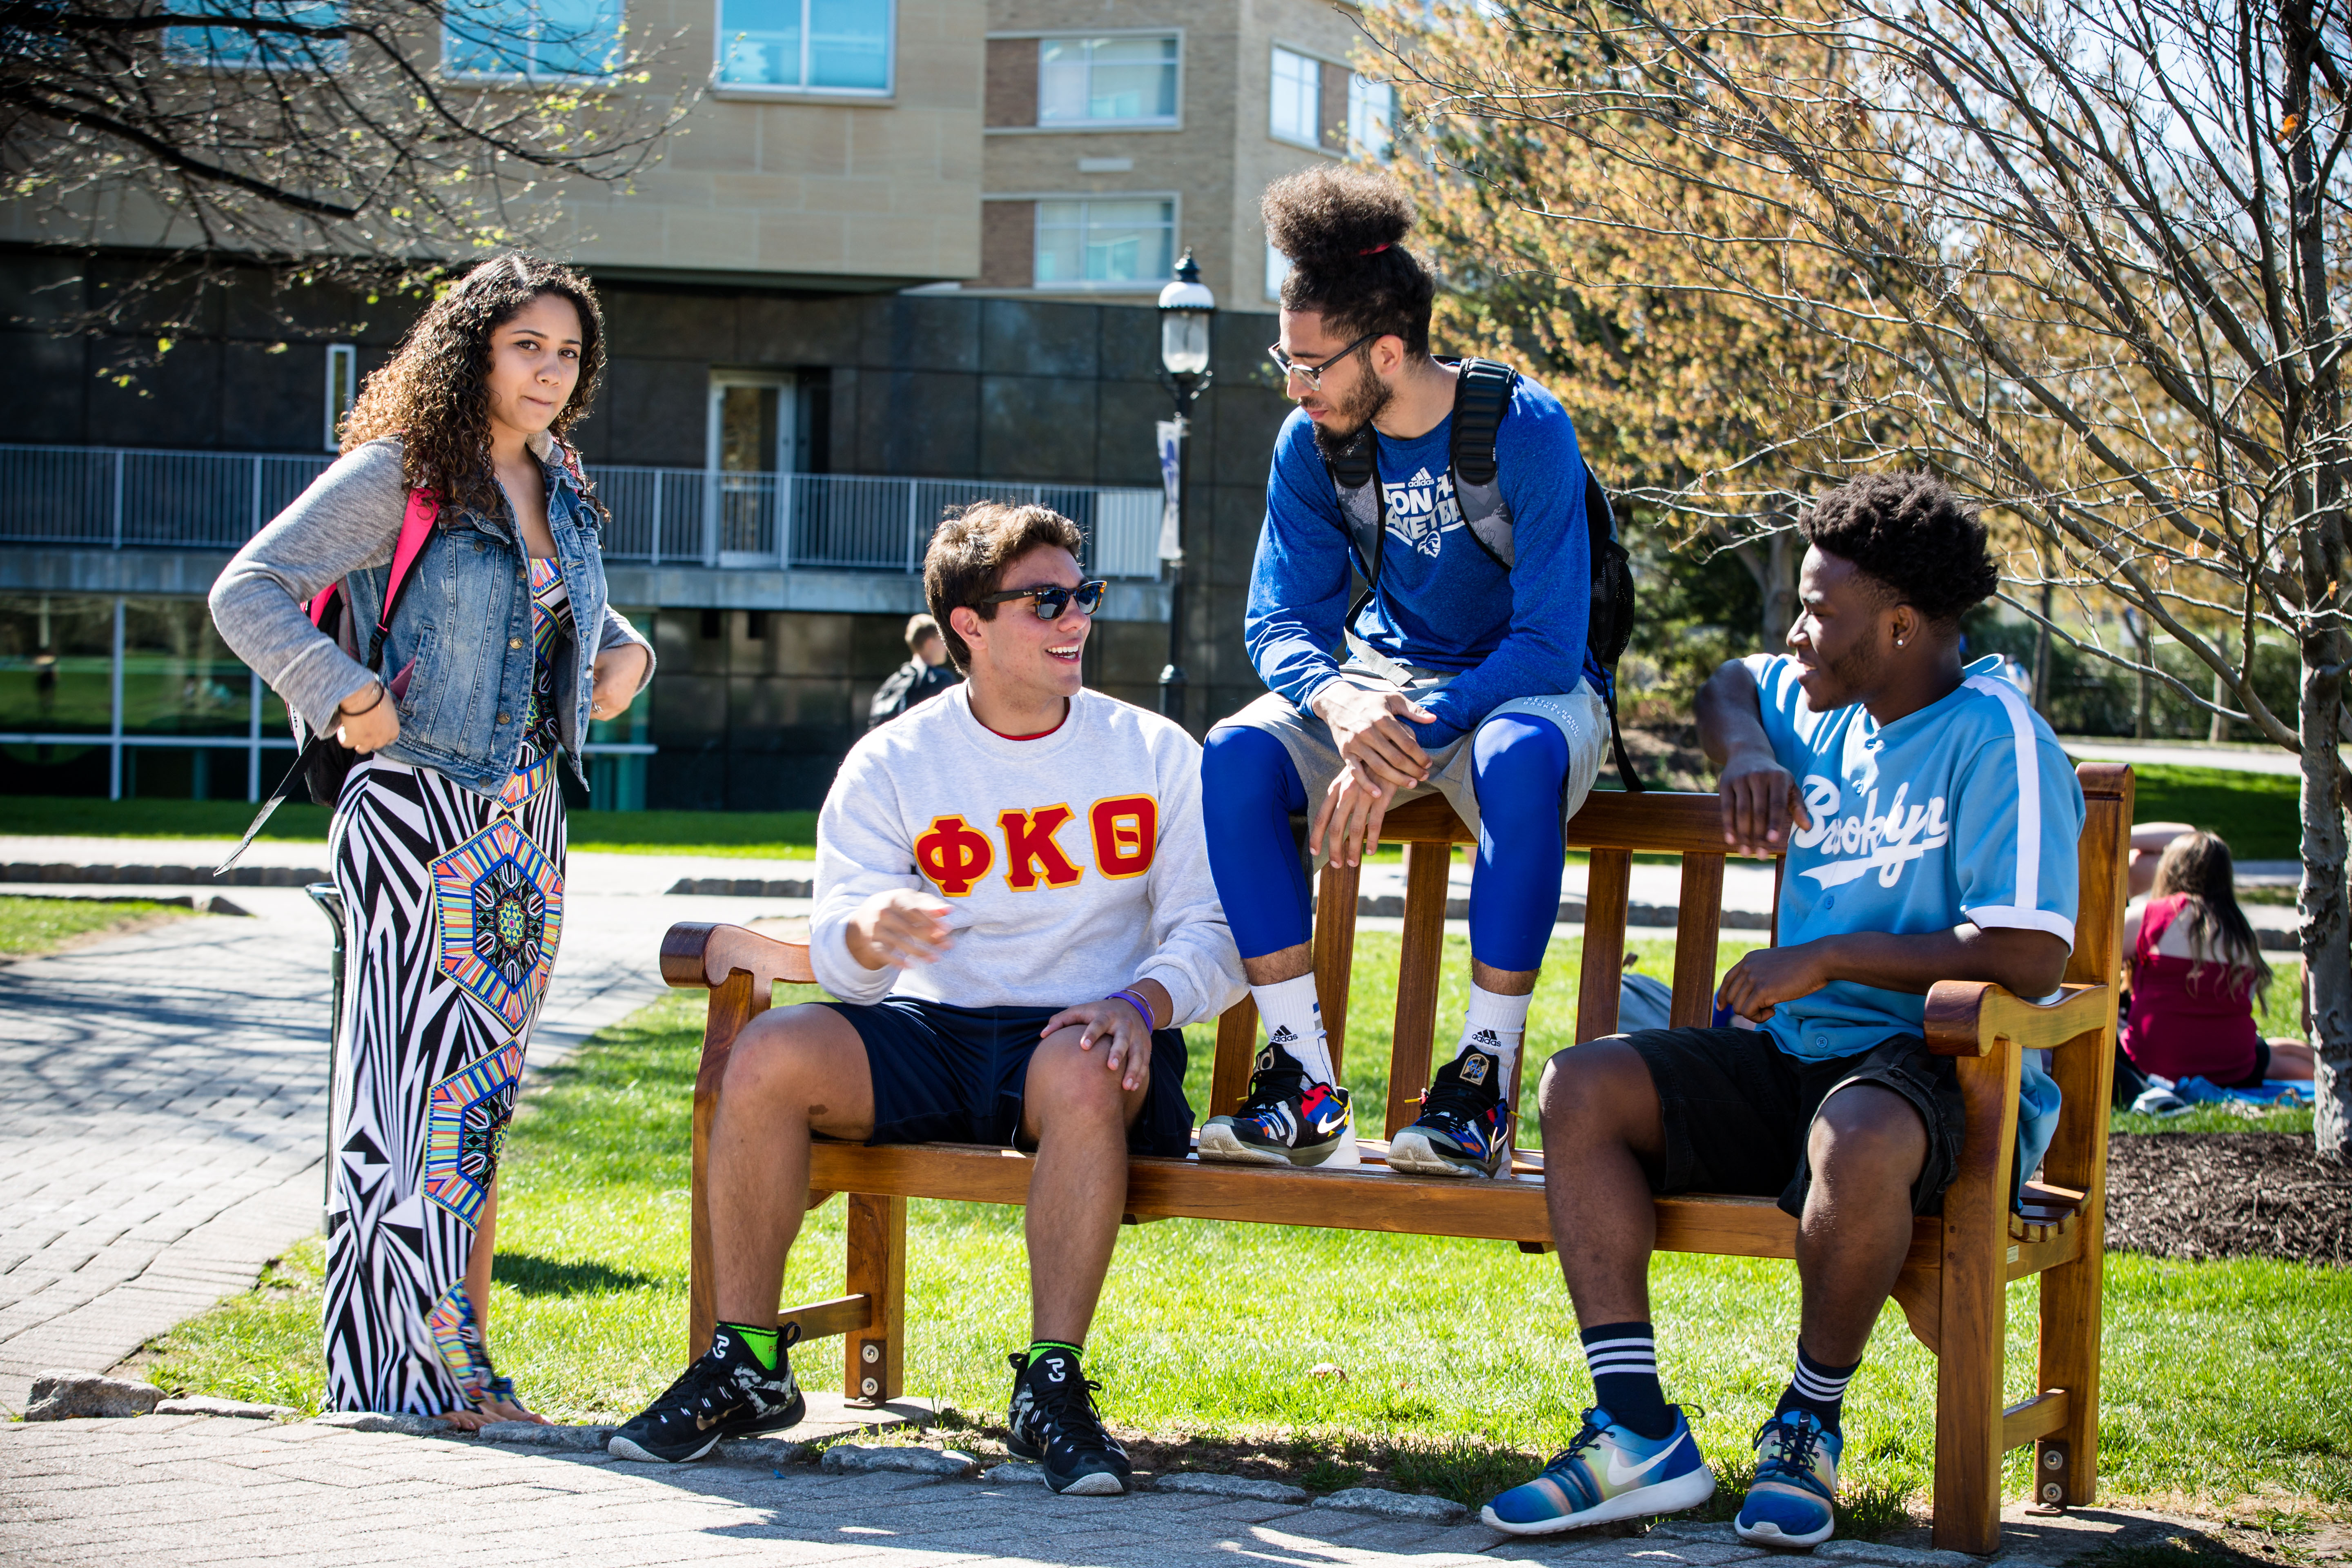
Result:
pixel 461 630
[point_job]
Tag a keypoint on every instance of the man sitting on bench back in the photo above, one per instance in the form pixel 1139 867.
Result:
pixel 1930 822
pixel 1014 905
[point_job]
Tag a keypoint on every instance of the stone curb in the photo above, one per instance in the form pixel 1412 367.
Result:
pixel 1211 1483
pixel 1393 1505
pixel 1895 1556
pixel 1014 1473
pixel 374 1421
pixel 236 1409
pixel 163 876
pixel 856 1456
pixel 71 1395
pixel 744 887
pixel 532 1435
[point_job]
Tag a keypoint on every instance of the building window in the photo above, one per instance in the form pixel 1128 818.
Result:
pixel 1277 268
pixel 1372 118
pixel 234 48
pixel 536 39
pixel 1119 243
pixel 1297 98
pixel 342 390
pixel 1122 81
pixel 805 45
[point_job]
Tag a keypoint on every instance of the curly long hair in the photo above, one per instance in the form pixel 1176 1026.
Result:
pixel 435 395
pixel 1343 230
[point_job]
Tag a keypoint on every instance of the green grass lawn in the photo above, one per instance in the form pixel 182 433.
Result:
pixel 29 926
pixel 1461 1357
pixel 2254 812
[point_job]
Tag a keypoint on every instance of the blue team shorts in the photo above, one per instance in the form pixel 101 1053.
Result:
pixel 944 1074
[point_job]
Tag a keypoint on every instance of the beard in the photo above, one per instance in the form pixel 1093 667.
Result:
pixel 1334 436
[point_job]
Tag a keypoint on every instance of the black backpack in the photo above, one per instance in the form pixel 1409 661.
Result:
pixel 1482 394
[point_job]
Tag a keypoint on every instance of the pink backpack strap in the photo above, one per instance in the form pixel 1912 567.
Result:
pixel 319 605
pixel 416 528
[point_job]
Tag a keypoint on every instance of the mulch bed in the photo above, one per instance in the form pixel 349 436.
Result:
pixel 2227 1195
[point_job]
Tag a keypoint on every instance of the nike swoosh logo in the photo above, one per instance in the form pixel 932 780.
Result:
pixel 1619 1476
pixel 705 1423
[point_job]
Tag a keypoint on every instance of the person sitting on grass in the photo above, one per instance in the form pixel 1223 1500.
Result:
pixel 2197 976
pixel 1014 906
pixel 1929 821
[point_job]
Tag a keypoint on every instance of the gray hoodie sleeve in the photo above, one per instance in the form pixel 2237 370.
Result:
pixel 349 519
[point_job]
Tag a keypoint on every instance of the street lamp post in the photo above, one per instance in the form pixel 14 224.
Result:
pixel 1185 306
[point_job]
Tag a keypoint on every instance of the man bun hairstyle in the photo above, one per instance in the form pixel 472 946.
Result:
pixel 1914 536
pixel 969 552
pixel 1343 230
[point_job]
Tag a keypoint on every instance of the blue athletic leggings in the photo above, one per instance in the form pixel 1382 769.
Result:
pixel 1519 765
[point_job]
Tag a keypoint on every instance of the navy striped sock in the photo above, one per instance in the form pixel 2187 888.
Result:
pixel 1818 1388
pixel 1623 1358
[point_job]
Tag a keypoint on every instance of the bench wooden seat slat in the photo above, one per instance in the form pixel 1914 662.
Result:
pixel 1950 1288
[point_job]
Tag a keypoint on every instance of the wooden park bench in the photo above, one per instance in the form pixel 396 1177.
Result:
pixel 1951 1289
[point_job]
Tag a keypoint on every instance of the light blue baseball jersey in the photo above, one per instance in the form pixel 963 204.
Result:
pixel 1964 811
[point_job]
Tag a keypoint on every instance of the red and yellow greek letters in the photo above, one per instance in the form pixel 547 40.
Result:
pixel 1029 848
pixel 1126 830
pixel 954 855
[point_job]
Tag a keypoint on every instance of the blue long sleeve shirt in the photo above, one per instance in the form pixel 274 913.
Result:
pixel 1442 602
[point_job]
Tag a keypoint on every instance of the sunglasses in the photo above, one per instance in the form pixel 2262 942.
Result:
pixel 1312 374
pixel 1052 602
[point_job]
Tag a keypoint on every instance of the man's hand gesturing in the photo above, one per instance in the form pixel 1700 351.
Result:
pixel 898 927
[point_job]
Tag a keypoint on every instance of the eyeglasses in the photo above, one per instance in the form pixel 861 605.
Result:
pixel 1312 374
pixel 1052 602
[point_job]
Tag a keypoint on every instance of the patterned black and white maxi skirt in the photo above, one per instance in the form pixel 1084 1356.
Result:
pixel 453 908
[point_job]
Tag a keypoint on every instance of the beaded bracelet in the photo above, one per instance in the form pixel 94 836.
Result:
pixel 1136 1002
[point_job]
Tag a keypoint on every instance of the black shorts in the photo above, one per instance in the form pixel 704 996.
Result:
pixel 954 1075
pixel 1738 1110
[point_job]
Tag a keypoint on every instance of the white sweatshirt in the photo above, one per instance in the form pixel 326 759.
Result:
pixel 1072 865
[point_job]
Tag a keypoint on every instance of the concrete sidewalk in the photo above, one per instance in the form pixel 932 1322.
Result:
pixel 162 1101
pixel 195 1489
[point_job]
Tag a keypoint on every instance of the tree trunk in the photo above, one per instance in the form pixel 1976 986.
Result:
pixel 2219 731
pixel 2146 644
pixel 2327 930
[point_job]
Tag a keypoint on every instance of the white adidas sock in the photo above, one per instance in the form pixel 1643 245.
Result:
pixel 1294 1020
pixel 1503 1017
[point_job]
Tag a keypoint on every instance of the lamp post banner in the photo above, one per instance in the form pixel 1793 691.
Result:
pixel 1172 458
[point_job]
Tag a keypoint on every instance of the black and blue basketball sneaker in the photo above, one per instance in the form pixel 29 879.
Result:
pixel 1462 1128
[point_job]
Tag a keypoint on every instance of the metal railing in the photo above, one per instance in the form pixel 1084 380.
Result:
pixel 118 498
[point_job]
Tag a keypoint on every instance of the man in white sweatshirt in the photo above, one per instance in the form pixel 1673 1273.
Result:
pixel 1014 906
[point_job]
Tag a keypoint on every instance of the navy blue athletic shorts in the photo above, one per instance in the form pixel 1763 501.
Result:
pixel 954 1075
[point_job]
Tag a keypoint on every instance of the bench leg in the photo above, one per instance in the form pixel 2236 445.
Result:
pixel 874 1371
pixel 2067 1462
pixel 1974 1311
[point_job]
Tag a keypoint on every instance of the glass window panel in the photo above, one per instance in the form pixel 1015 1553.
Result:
pixel 761 40
pixel 1061 80
pixel 236 47
pixel 1127 242
pixel 578 37
pixel 1371 117
pixel 1061 242
pixel 488 36
pixel 1133 79
pixel 56 664
pixel 178 677
pixel 1277 268
pixel 1296 111
pixel 849 43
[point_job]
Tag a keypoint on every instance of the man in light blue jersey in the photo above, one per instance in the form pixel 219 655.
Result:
pixel 1930 820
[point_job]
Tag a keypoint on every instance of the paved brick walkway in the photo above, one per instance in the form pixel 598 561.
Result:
pixel 162 1099
pixel 194 1489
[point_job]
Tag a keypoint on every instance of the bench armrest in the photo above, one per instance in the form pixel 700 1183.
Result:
pixel 1967 1017
pixel 699 955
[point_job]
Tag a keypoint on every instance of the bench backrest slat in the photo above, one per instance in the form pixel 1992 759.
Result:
pixel 1698 927
pixel 1608 888
pixel 1418 970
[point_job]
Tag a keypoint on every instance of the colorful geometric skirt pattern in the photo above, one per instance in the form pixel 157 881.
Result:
pixel 453 908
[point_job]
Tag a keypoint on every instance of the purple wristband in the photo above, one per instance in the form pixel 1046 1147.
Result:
pixel 1132 1000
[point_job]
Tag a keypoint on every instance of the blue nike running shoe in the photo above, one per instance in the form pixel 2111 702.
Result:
pixel 1607 1473
pixel 1793 1499
pixel 1462 1128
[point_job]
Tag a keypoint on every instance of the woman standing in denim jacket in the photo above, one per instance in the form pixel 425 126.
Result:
pixel 449 840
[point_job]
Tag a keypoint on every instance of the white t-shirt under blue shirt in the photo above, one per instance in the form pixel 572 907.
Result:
pixel 1967 810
